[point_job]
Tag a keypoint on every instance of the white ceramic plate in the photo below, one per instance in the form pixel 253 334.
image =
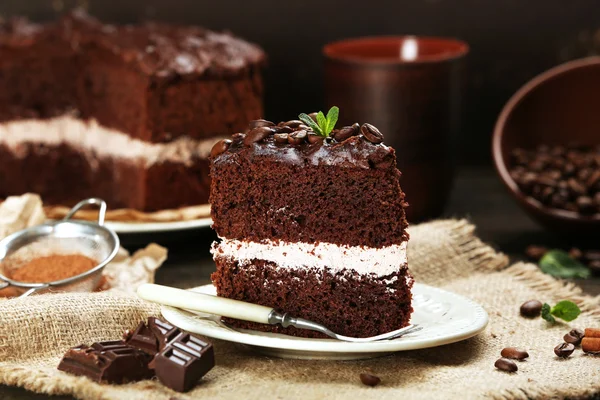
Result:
pixel 444 316
pixel 156 227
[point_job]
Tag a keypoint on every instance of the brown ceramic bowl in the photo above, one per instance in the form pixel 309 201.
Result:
pixel 560 106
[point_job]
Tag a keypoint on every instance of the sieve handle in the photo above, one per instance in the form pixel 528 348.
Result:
pixel 83 203
pixel 195 301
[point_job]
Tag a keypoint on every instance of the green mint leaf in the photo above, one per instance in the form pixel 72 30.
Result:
pixel 560 264
pixel 322 121
pixel 566 310
pixel 332 117
pixel 309 122
pixel 546 314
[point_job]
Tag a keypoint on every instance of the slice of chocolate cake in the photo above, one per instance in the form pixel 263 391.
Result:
pixel 123 112
pixel 312 225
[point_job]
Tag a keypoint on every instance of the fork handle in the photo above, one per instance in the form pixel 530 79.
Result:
pixel 195 301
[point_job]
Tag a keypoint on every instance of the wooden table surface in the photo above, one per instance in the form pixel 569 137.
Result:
pixel 478 196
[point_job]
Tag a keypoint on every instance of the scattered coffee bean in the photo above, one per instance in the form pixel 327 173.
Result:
pixel 535 253
pixel 281 137
pixel 259 123
pixel 297 137
pixel 314 138
pixel 575 253
pixel 257 134
pixel 514 353
pixel 220 147
pixel 574 337
pixel 564 350
pixel 370 380
pixel 293 123
pixel 371 133
pixel 531 308
pixel 506 365
pixel 591 345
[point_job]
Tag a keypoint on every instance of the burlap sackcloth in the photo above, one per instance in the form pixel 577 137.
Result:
pixel 34 333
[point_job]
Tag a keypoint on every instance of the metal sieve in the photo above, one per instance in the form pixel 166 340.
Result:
pixel 64 237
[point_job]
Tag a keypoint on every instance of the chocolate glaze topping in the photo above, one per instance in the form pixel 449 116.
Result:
pixel 295 143
pixel 159 50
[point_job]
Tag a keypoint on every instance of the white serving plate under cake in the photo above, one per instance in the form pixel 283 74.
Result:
pixel 444 316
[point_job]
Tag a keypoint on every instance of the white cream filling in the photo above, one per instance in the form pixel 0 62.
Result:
pixel 89 136
pixel 364 260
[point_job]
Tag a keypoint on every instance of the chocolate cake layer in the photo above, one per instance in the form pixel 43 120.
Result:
pixel 72 160
pixel 345 301
pixel 339 192
pixel 155 82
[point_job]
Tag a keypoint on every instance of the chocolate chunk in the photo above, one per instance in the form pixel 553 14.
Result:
pixel 163 331
pixel 142 338
pixel 370 380
pixel 531 308
pixel 281 137
pixel 183 362
pixel 314 138
pixel 298 137
pixel 514 353
pixel 220 147
pixel 564 350
pixel 107 362
pixel 506 365
pixel 257 134
pixel 371 133
pixel 259 123
pixel 346 132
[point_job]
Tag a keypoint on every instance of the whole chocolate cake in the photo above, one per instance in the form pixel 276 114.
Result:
pixel 313 225
pixel 127 113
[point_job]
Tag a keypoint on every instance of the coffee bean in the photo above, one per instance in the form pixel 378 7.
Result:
pixel 257 134
pixel 593 180
pixel 259 123
pixel 370 380
pixel 220 147
pixel 514 353
pixel 575 253
pixel 313 116
pixel 531 308
pixel 506 365
pixel 564 350
pixel 294 123
pixel 597 199
pixel 574 336
pixel 585 205
pixel 576 188
pixel 347 132
pixel 284 129
pixel 534 252
pixel 297 137
pixel 314 138
pixel 281 137
pixel 371 133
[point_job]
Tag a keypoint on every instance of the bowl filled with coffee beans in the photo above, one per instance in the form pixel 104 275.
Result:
pixel 546 146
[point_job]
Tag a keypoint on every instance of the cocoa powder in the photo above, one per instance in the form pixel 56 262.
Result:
pixel 52 268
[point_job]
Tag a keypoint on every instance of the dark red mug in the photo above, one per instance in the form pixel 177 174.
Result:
pixel 411 88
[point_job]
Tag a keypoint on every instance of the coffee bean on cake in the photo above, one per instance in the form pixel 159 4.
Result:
pixel 297 137
pixel 346 132
pixel 281 137
pixel 220 147
pixel 371 133
pixel 259 123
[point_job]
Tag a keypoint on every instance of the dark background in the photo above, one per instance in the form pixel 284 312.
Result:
pixel 511 41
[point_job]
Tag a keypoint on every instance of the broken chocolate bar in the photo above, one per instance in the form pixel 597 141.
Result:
pixel 183 362
pixel 107 362
pixel 143 338
pixel 163 331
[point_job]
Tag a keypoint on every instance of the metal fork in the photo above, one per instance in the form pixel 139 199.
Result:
pixel 222 306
